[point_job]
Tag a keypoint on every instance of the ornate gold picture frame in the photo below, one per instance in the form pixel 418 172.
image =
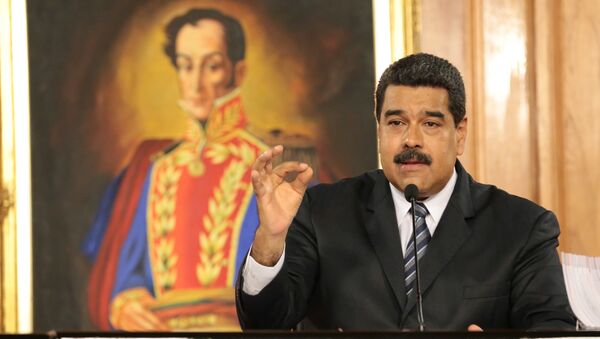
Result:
pixel 15 199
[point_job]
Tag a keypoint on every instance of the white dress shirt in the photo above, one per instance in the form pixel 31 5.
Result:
pixel 436 204
pixel 257 276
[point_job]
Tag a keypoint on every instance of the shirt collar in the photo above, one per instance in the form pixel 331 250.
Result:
pixel 436 204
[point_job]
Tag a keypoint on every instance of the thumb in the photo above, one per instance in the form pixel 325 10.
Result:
pixel 304 177
pixel 474 328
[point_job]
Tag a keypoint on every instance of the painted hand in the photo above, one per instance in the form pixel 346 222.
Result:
pixel 135 315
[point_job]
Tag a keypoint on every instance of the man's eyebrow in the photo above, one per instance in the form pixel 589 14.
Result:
pixel 391 112
pixel 435 114
pixel 207 55
pixel 181 55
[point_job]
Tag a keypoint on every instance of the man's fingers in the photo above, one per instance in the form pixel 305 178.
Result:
pixel 474 328
pixel 149 321
pixel 264 161
pixel 257 183
pixel 261 161
pixel 298 174
pixel 303 179
pixel 288 167
pixel 142 319
pixel 277 151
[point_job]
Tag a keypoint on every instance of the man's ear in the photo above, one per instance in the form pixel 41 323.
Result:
pixel 239 72
pixel 378 125
pixel 461 136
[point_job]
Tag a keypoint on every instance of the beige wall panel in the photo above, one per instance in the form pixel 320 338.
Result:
pixel 549 137
pixel 580 123
pixel 444 32
pixel 532 71
pixel 506 134
pixel 487 41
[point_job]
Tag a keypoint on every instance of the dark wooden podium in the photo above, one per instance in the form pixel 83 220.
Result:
pixel 347 335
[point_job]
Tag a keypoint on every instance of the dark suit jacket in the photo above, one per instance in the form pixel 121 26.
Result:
pixel 492 261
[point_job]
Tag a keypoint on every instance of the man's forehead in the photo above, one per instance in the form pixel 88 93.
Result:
pixel 208 30
pixel 210 24
pixel 205 37
pixel 405 87
pixel 423 95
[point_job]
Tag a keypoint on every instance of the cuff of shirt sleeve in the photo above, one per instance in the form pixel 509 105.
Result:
pixel 257 276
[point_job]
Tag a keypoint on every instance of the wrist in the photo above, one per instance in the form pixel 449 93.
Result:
pixel 267 248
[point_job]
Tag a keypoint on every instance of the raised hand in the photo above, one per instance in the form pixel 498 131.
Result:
pixel 279 192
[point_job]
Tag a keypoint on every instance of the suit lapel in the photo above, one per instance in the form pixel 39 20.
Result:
pixel 382 228
pixel 451 233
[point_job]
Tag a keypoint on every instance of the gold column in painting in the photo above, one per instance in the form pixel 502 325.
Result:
pixel 15 192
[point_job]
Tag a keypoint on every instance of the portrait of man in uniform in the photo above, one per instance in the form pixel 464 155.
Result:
pixel 177 221
pixel 145 120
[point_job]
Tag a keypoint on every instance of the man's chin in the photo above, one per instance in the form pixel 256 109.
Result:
pixel 402 182
pixel 201 115
pixel 196 111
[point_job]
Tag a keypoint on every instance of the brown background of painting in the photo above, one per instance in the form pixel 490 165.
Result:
pixel 100 84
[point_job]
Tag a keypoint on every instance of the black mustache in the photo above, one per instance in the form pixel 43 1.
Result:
pixel 412 154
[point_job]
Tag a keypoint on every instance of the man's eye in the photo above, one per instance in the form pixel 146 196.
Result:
pixel 431 124
pixel 184 67
pixel 214 66
pixel 395 122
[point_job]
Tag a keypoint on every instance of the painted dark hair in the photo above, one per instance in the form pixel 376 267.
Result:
pixel 424 70
pixel 234 33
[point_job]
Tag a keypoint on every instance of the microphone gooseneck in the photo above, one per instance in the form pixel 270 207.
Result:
pixel 411 192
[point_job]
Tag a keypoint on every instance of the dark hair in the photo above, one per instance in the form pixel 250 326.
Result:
pixel 424 70
pixel 234 33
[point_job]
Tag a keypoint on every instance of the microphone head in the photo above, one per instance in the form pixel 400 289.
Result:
pixel 411 191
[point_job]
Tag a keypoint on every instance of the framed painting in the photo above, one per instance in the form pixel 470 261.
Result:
pixel 144 118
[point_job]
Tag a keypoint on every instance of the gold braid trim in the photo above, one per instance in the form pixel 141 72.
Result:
pixel 221 124
pixel 218 153
pixel 188 154
pixel 221 207
pixel 163 223
pixel 207 322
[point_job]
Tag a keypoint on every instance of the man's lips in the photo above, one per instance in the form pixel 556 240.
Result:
pixel 412 165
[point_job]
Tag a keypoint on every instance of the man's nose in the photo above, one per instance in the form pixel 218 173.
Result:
pixel 413 136
pixel 198 79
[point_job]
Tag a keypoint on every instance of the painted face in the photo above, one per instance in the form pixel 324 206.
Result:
pixel 418 141
pixel 204 70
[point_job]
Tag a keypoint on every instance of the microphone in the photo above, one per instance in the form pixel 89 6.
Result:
pixel 411 192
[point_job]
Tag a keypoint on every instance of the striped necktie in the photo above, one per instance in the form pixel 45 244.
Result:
pixel 423 238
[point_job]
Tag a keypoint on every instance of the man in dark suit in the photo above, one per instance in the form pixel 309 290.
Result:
pixel 340 254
